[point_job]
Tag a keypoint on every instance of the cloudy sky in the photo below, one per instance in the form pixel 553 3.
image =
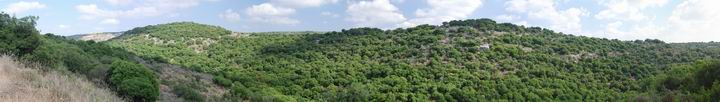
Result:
pixel 669 20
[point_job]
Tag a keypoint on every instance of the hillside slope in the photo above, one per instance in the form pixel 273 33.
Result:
pixel 21 84
pixel 468 60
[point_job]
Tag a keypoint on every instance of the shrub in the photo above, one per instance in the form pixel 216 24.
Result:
pixel 188 93
pixel 134 81
pixel 222 81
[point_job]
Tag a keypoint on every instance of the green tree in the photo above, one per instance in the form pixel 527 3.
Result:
pixel 18 35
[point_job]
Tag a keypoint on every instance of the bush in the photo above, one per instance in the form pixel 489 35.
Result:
pixel 222 81
pixel 18 35
pixel 188 93
pixel 134 81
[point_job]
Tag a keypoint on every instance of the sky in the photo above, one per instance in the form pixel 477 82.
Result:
pixel 668 20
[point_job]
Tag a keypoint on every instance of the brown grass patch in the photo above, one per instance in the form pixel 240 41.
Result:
pixel 21 83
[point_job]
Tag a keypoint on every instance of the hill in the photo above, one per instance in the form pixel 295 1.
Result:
pixel 463 60
pixel 467 60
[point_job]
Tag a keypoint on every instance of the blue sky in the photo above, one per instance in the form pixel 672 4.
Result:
pixel 669 20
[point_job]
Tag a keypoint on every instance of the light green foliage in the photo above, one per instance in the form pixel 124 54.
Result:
pixel 175 43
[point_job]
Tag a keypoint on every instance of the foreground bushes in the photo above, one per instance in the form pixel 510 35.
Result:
pixel 689 82
pixel 134 81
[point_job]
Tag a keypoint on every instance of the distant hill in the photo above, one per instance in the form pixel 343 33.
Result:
pixel 96 36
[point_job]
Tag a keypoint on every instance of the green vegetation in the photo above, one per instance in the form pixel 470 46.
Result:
pixel 687 82
pixel 465 60
pixel 173 41
pixel 134 81
pixel 188 93
pixel 91 59
pixel 18 35
pixel 468 60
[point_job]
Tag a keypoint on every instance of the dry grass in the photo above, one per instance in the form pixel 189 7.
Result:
pixel 20 83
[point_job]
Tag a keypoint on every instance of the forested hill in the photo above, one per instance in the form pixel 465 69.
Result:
pixel 466 60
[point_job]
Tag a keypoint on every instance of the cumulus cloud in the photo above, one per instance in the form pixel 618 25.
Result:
pixel 119 2
pixel 694 20
pixel 618 30
pixel 378 13
pixel 110 21
pixel 690 21
pixel 23 6
pixel 505 18
pixel 568 20
pixel 625 10
pixel 279 11
pixel 301 3
pixel 62 26
pixel 230 15
pixel 267 12
pixel 444 10
pixel 139 9
pixel 329 14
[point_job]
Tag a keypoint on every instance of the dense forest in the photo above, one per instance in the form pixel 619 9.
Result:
pixel 463 60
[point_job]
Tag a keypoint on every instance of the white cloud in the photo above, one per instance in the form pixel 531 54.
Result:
pixel 23 6
pixel 230 15
pixel 267 12
pixel 110 21
pixel 397 1
pixel 91 11
pixel 378 13
pixel 627 10
pixel 62 26
pixel 690 21
pixel 119 2
pixel 301 3
pixel 329 14
pixel 138 9
pixel 567 20
pixel 622 31
pixel 505 18
pixel 444 10
pixel 694 20
pixel 279 11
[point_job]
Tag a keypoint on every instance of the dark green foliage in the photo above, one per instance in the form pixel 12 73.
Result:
pixel 222 81
pixel 18 36
pixel 708 74
pixel 188 93
pixel 134 81
pixel 179 30
pixel 465 60
pixel 687 82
